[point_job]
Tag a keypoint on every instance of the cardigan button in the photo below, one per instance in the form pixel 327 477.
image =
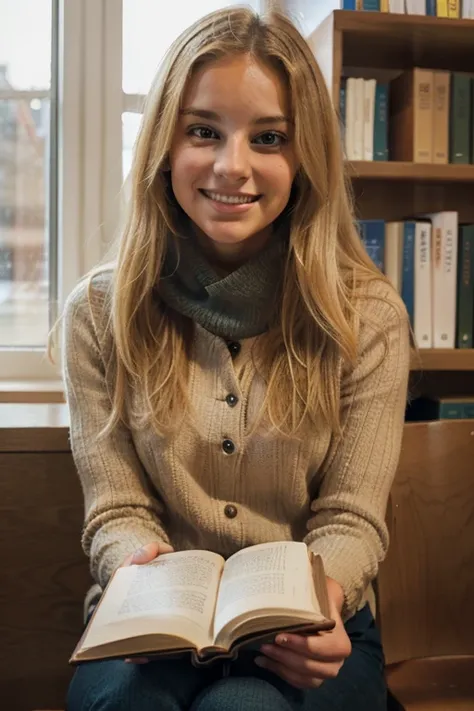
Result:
pixel 228 446
pixel 234 348
pixel 232 400
pixel 230 511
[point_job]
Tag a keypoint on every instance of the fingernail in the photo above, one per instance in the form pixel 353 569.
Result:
pixel 260 661
pixel 265 648
pixel 138 555
pixel 281 639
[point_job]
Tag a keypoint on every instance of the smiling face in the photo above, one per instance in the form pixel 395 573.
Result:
pixel 232 158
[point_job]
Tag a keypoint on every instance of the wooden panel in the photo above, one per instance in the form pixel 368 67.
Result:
pixel 399 170
pixel 34 427
pixel 443 359
pixel 403 41
pixel 44 578
pixel 426 584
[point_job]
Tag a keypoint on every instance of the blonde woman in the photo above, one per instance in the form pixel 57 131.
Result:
pixel 239 374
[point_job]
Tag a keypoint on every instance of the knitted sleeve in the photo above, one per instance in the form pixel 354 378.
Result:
pixel 347 527
pixel 120 512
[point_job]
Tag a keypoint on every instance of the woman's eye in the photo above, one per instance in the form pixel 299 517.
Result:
pixel 271 139
pixel 202 132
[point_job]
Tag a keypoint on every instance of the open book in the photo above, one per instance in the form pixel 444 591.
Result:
pixel 195 601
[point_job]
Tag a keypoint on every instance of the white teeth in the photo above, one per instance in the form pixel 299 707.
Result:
pixel 230 199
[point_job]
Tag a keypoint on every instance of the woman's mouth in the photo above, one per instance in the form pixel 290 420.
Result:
pixel 230 199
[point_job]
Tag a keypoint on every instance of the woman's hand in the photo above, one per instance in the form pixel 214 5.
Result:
pixel 306 661
pixel 144 555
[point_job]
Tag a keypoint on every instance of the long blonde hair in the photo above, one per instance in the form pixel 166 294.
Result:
pixel 326 264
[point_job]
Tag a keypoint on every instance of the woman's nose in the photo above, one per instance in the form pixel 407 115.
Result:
pixel 233 160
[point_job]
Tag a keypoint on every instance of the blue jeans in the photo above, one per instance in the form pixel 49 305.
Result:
pixel 175 685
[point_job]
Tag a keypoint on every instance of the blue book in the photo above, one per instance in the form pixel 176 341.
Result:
pixel 372 234
pixel 408 269
pixel 381 122
pixel 342 104
pixel 349 5
pixel 431 7
pixel 371 5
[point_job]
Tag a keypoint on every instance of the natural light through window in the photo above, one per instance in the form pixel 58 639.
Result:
pixel 25 165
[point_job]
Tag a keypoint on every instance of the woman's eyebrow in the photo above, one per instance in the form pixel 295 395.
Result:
pixel 213 116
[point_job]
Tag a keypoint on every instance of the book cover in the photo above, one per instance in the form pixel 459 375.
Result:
pixel 441 83
pixel 394 253
pixel 397 6
pixel 381 122
pixel 460 114
pixel 444 275
pixel 422 320
pixel 349 5
pixel 431 7
pixel 416 7
pixel 411 116
pixel 408 271
pixel 350 117
pixel 371 5
pixel 369 116
pixel 454 7
pixel 465 288
pixel 358 152
pixel 442 8
pixel 383 5
pixel 372 233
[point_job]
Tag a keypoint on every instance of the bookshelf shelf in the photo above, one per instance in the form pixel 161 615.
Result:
pixel 446 359
pixel 372 39
pixel 425 172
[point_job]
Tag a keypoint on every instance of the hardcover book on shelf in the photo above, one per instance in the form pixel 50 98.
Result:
pixel 411 116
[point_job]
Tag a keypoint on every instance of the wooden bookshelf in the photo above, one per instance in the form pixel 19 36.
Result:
pixel 423 172
pixel 381 46
pixel 443 359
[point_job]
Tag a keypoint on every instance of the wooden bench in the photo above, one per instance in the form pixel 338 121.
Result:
pixel 426 584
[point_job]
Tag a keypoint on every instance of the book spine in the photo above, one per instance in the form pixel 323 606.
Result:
pixel 444 266
pixel 349 5
pixel 465 288
pixel 441 117
pixel 454 8
pixel 350 117
pixel 393 253
pixel 373 237
pixel 369 115
pixel 381 122
pixel 371 5
pixel 442 8
pixel 416 7
pixel 383 5
pixel 469 410
pixel 423 116
pixel 460 110
pixel 342 110
pixel 431 8
pixel 451 410
pixel 359 120
pixel 422 322
pixel 408 277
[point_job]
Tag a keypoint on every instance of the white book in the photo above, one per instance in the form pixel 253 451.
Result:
pixel 350 117
pixel 397 6
pixel 369 115
pixel 394 253
pixel 359 121
pixel 422 321
pixel 468 9
pixel 416 7
pixel 444 245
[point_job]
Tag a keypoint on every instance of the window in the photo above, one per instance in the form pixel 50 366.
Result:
pixel 148 31
pixel 27 173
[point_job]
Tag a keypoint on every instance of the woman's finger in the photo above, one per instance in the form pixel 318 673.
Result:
pixel 305 666
pixel 333 647
pixel 292 677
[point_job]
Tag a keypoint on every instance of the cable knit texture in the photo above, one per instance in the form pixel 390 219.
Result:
pixel 329 491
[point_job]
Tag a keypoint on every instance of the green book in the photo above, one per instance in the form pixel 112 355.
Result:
pixel 465 288
pixel 460 119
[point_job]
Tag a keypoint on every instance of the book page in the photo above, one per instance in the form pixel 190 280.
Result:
pixel 270 576
pixel 173 595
